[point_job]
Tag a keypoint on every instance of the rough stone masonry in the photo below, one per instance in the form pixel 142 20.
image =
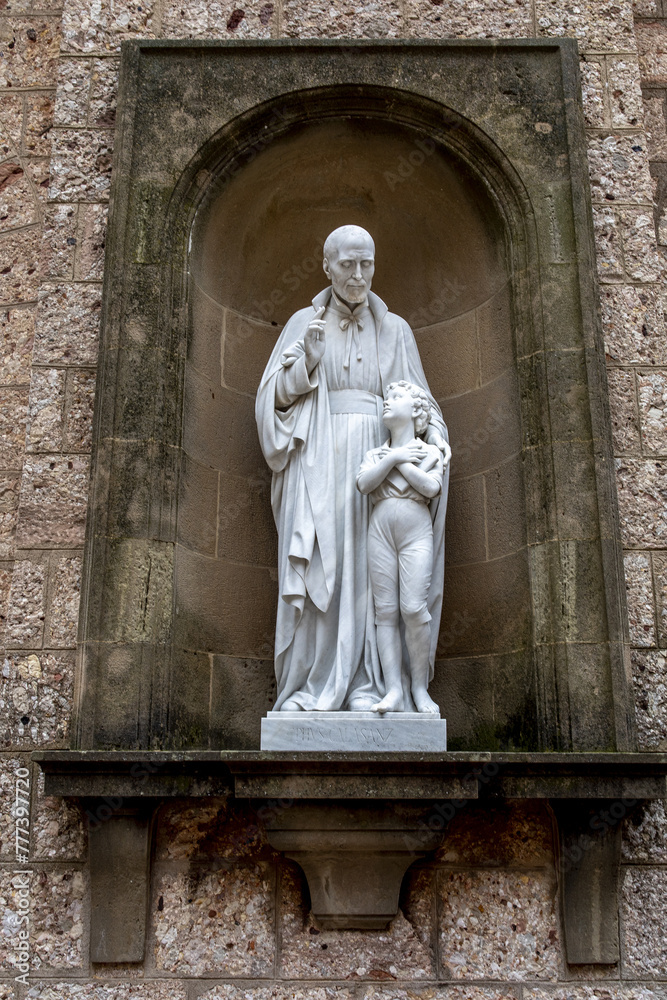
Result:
pixel 481 921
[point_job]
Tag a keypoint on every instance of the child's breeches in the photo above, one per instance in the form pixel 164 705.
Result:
pixel 400 560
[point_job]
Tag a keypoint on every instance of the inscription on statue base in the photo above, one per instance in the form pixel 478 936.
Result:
pixel 395 732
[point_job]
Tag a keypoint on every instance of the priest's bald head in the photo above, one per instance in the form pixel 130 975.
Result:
pixel 349 263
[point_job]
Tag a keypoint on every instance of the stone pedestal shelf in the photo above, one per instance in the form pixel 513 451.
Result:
pixel 355 823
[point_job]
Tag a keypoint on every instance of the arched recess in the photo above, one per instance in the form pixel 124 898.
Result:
pixel 454 230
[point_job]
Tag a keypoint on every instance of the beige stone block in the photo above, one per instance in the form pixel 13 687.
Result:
pixel 639 588
pixel 652 47
pixel 649 673
pixel 499 925
pixel 63 607
pixel 101 25
pixel 18 203
pixel 29 47
pixel 457 19
pixel 625 95
pixel 645 8
pixel 38 171
pixel 91 240
pixel 45 412
pixel 5 587
pixel 513 833
pixel 57 900
pixel 640 251
pixel 67 324
pixel 217 828
pixel 623 405
pixel 403 951
pixel 656 127
pixel 643 906
pixel 221 19
pixel 52 508
pixel 79 401
pixel 377 991
pixel 618 168
pixel 602 991
pixel 59 241
pixel 652 388
pixel 10 484
pixel 593 91
pixel 280 991
pixel 13 417
pixel 642 501
pixel 38 123
pixel 608 250
pixel 215 923
pixel 11 124
pixel 57 827
pixel 26 607
pixel 8 815
pixel 73 93
pixel 645 833
pixel 36 699
pixel 154 990
pixel 319 18
pixel 596 24
pixel 81 165
pixel 104 92
pixel 17 331
pixel 19 266
pixel 633 324
pixel 659 560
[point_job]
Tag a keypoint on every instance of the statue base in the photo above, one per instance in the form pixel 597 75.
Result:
pixel 393 732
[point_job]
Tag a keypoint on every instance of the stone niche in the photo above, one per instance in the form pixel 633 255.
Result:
pixel 466 160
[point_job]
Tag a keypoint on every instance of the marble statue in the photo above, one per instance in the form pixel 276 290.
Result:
pixel 401 478
pixel 319 412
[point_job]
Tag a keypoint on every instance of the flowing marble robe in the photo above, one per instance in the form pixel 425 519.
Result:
pixel 314 433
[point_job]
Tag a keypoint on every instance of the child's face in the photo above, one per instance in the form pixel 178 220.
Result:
pixel 398 407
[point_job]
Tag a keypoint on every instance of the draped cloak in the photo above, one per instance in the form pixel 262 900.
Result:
pixel 326 655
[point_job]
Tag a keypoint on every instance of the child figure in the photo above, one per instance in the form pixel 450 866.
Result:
pixel 402 477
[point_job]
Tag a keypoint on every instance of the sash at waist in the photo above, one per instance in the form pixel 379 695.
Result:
pixel 354 401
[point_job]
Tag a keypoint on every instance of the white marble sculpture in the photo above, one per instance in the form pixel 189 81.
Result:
pixel 319 413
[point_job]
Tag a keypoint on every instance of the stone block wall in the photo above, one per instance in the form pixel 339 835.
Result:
pixel 228 921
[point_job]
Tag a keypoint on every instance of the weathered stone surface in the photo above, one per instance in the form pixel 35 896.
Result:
pixel 104 92
pixel 27 605
pixel 19 266
pixel 31 60
pixel 155 990
pixel 17 330
pixel 649 672
pixel 498 925
pixel 652 47
pixel 625 96
pixel 18 204
pixel 57 914
pixel 90 26
pixel 603 991
pixel 59 242
pixel 216 828
pixel 8 769
pixel 639 245
pixel 73 93
pixel 91 242
pixel 618 166
pixel 38 171
pixel 644 901
pixel 655 126
pixel 217 922
pixel 449 992
pixel 5 587
pixel 63 611
pixel 607 244
pixel 11 123
pixel 52 508
pixel 79 401
pixel 659 560
pixel 514 833
pixel 623 405
pixel 81 165
pixel 36 699
pixel 11 885
pixel 593 91
pixel 501 19
pixel 402 951
pixel 597 24
pixel 38 123
pixel 45 412
pixel 642 500
pixel 653 410
pixel 639 587
pixel 223 19
pixel 13 418
pixel 67 326
pixel 57 828
pixel 633 324
pixel 380 19
pixel 278 991
pixel 645 833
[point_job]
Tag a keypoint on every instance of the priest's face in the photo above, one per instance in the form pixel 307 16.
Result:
pixel 351 269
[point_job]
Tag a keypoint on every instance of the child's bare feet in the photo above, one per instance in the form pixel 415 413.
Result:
pixel 424 702
pixel 392 702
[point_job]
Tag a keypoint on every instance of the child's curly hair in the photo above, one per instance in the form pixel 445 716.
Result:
pixel 422 404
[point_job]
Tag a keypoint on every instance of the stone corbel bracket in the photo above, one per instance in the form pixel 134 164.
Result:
pixel 355 823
